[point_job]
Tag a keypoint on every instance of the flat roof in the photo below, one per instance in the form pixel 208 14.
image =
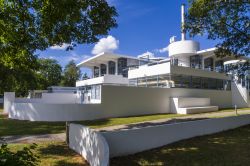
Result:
pixel 102 58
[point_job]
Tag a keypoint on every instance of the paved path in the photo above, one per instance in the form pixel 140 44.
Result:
pixel 61 137
pixel 34 138
pixel 172 120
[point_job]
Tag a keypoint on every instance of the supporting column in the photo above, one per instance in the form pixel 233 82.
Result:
pixel 100 70
pixel 107 68
pixel 116 67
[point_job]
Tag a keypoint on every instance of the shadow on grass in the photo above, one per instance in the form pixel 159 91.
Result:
pixel 21 127
pixel 60 151
pixel 226 148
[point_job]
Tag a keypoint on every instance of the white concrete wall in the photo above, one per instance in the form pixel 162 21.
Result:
pixel 55 112
pixel 239 95
pixel 106 79
pixel 198 72
pixel 90 144
pixel 117 101
pixel 9 98
pixel 60 98
pixel 153 70
pixel 130 141
pixel 193 102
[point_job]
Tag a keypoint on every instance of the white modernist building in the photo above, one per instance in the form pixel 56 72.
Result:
pixel 189 80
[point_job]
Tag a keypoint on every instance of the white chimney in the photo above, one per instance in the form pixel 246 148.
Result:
pixel 183 33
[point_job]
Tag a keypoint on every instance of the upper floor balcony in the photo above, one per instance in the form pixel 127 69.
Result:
pixel 106 79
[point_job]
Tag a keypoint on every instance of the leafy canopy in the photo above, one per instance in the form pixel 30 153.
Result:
pixel 71 74
pixel 226 20
pixel 27 26
pixel 49 73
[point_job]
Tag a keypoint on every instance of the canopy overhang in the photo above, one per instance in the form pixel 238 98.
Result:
pixel 102 58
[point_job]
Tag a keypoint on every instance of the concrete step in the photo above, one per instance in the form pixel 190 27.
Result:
pixel 195 110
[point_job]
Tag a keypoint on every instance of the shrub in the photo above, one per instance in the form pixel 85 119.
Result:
pixel 24 157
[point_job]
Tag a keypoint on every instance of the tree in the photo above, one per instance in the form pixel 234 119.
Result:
pixel 226 20
pixel 27 26
pixel 71 74
pixel 49 73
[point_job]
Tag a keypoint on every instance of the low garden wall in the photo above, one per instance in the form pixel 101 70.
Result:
pixel 130 141
pixel 90 144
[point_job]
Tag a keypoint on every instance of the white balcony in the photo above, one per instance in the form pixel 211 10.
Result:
pixel 106 79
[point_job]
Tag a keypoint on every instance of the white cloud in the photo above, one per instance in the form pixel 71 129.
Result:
pixel 108 44
pixel 62 47
pixel 162 50
pixel 146 54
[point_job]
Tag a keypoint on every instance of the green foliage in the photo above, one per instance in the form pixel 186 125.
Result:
pixel 71 74
pixel 27 26
pixel 49 73
pixel 25 156
pixel 226 20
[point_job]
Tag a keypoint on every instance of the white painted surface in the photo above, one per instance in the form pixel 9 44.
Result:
pixel 55 112
pixel 193 102
pixel 195 110
pixel 191 105
pixel 117 101
pixel 130 141
pixel 106 79
pixel 9 98
pixel 183 48
pixel 63 98
pixel 153 70
pixel 239 95
pixel 90 144
pixel 198 72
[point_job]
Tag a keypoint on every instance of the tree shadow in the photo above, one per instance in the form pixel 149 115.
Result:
pixel 225 148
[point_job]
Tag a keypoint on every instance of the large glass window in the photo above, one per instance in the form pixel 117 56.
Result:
pixel 96 71
pixel 195 61
pixel 122 67
pixel 209 64
pixel 103 69
pixel 196 82
pixel 111 67
pixel 219 67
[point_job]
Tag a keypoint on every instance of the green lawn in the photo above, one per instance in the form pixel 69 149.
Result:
pixel 18 127
pixel 1 108
pixel 229 148
pixel 54 154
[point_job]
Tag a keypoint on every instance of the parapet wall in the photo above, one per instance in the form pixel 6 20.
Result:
pixel 116 101
pixel 92 146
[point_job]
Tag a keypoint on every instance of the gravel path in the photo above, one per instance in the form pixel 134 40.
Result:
pixel 34 138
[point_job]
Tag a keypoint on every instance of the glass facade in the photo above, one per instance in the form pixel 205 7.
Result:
pixel 219 66
pixel 209 64
pixel 181 81
pixel 96 71
pixel 111 67
pixel 195 61
pixel 103 69
pixel 122 67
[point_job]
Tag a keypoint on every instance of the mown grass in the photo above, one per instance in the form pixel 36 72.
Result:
pixel 54 154
pixel 226 148
pixel 19 127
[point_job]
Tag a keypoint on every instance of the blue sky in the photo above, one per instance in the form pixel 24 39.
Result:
pixel 143 25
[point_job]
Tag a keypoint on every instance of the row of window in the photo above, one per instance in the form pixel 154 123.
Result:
pixel 181 81
pixel 122 68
